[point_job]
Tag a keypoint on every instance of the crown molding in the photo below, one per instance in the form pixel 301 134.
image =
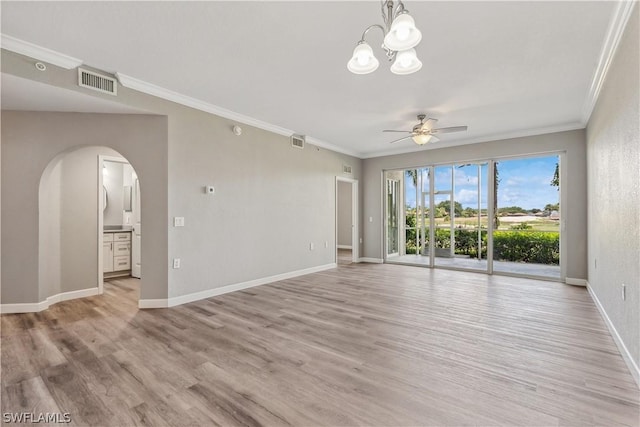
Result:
pixel 38 52
pixel 65 61
pixel 328 146
pixel 487 138
pixel 618 22
pixel 169 95
pixel 616 28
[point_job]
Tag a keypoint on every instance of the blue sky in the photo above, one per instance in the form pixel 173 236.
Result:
pixel 523 182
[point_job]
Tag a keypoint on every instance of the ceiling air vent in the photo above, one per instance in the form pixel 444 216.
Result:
pixel 297 141
pixel 98 82
pixel 346 169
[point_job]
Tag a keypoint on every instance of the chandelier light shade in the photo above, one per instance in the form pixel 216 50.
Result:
pixel 403 34
pixel 406 62
pixel 363 60
pixel 421 138
pixel 400 37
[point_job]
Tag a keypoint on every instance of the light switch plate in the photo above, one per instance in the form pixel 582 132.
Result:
pixel 176 263
pixel 178 221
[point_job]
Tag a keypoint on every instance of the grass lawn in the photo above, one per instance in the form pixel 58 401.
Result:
pixel 537 224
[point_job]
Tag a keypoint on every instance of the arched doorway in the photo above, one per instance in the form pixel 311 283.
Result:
pixel 71 223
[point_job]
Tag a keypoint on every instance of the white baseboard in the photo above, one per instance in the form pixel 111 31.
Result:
pixel 575 282
pixel 371 260
pixel 183 299
pixel 153 303
pixel 626 356
pixel 345 247
pixel 43 305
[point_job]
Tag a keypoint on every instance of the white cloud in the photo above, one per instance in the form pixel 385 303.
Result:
pixel 467 197
pixel 462 178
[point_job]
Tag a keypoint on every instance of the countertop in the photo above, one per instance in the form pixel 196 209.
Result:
pixel 117 229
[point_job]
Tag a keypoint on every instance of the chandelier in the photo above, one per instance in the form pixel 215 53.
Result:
pixel 400 38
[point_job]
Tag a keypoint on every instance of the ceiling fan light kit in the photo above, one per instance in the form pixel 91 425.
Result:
pixel 421 139
pixel 423 132
pixel 400 37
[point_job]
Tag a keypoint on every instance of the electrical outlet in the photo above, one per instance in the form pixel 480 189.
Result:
pixel 326 244
pixel 370 219
pixel 624 292
pixel 361 240
pixel 176 263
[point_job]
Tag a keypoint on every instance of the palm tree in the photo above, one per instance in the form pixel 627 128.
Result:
pixel 413 174
pixel 555 181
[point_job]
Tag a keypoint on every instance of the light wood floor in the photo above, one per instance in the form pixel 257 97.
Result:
pixel 361 344
pixel 344 256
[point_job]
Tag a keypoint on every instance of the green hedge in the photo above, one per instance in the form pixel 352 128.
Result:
pixel 538 247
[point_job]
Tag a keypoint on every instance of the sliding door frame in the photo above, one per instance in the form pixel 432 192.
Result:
pixel 491 162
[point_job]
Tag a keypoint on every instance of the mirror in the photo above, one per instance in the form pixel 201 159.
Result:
pixel 126 198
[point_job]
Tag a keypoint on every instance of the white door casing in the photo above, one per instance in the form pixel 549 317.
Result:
pixel 136 236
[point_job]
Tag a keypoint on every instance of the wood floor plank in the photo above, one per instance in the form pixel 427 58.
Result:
pixel 361 344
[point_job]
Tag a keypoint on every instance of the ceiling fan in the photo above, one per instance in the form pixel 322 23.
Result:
pixel 424 131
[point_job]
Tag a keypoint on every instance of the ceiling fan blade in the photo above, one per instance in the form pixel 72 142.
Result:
pixel 403 131
pixel 434 139
pixel 401 139
pixel 429 124
pixel 449 129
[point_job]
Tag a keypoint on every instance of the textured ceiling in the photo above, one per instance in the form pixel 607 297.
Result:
pixel 28 95
pixel 501 68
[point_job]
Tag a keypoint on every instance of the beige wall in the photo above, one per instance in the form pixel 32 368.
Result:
pixel 573 198
pixel 613 164
pixel 30 141
pixel 271 200
pixel 49 259
pixel 79 218
pixel 67 216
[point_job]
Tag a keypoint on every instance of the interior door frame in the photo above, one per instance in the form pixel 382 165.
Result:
pixel 355 240
pixel 100 214
pixel 136 227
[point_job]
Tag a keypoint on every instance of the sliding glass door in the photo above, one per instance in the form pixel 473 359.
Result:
pixel 444 217
pixel 460 216
pixel 526 235
pixel 440 216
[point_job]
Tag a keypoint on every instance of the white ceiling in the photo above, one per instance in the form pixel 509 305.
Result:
pixel 28 95
pixel 502 68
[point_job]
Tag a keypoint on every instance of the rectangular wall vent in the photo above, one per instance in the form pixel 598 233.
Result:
pixel 346 169
pixel 98 82
pixel 297 141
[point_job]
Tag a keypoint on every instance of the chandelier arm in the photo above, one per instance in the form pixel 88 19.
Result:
pixel 389 20
pixel 391 54
pixel 364 33
pixel 399 10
